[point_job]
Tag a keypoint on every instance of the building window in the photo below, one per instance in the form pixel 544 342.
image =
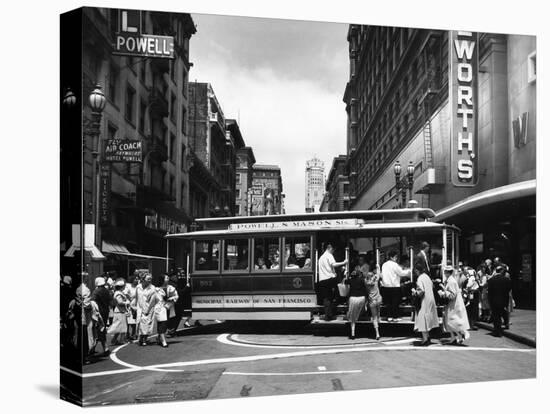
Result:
pixel 173 108
pixel 184 119
pixel 182 195
pixel 172 187
pixel 130 97
pixel 142 71
pixel 172 147
pixel 142 111
pixel 532 67
pixel 238 193
pixel 182 156
pixel 111 131
pixel 185 83
pixel 238 209
pixel 238 179
pixel 172 64
pixel 113 83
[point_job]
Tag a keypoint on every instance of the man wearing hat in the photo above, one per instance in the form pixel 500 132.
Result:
pixel 499 287
pixel 103 298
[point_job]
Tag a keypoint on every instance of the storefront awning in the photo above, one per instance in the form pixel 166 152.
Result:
pixel 489 197
pixel 109 247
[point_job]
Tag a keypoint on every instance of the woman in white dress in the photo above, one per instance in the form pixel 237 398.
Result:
pixel 426 315
pixel 455 318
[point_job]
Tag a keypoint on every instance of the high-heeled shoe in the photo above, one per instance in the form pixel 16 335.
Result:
pixel 165 345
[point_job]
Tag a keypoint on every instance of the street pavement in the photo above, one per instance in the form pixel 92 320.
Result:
pixel 523 326
pixel 228 360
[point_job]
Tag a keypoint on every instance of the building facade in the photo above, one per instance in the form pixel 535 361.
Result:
pixel 131 206
pixel 245 163
pixel 336 196
pixel 267 194
pixel 401 101
pixel 314 184
pixel 214 142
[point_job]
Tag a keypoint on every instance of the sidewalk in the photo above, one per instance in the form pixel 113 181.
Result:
pixel 523 326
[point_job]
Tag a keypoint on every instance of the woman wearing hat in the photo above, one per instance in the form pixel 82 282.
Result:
pixel 120 312
pixel 166 295
pixel 455 318
pixel 426 315
pixel 146 300
pixel 102 297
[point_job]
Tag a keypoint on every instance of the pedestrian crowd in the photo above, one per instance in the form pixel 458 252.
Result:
pixel 124 310
pixel 465 294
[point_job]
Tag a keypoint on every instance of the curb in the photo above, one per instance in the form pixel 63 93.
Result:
pixel 513 336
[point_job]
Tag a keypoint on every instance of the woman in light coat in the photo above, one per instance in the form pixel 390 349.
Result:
pixel 146 299
pixel 455 318
pixel 120 313
pixel 426 317
pixel 165 299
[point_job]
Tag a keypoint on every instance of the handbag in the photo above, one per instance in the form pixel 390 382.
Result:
pixel 343 289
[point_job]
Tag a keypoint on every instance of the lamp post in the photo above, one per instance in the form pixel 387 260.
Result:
pixel 97 104
pixel 397 172
pixel 69 102
pixel 410 176
pixel 402 185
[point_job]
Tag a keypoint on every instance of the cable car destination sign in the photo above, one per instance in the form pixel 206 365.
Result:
pixel 463 102
pixel 129 41
pixel 297 224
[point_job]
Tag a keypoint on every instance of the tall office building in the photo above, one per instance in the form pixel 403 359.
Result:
pixel 459 108
pixel 315 184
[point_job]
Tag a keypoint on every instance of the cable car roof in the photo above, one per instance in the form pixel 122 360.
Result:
pixel 389 228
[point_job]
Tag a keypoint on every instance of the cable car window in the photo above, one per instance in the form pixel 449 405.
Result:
pixel 266 253
pixel 235 254
pixel 207 253
pixel 297 253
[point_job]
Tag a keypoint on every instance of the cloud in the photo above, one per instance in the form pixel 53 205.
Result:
pixel 287 113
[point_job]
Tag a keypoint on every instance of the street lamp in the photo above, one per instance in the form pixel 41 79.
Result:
pixel 226 210
pixel 397 172
pixel 401 185
pixel 69 99
pixel 410 176
pixel 97 104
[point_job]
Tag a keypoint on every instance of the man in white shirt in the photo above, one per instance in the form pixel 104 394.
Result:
pixel 391 285
pixel 327 279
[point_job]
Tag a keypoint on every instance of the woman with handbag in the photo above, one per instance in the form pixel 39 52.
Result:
pixel 357 292
pixel 120 313
pixel 166 296
pixel 455 319
pixel 425 318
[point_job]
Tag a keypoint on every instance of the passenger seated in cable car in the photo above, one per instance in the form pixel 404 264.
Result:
pixel 291 262
pixel 260 264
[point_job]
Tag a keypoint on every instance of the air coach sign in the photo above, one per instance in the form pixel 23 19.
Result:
pixel 123 150
pixel 463 70
pixel 130 41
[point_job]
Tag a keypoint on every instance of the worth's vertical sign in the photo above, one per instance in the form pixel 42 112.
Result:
pixel 463 74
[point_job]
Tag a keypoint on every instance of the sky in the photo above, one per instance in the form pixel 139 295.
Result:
pixel 284 81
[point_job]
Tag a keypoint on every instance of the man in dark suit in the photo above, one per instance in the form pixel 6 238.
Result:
pixel 422 260
pixel 499 292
